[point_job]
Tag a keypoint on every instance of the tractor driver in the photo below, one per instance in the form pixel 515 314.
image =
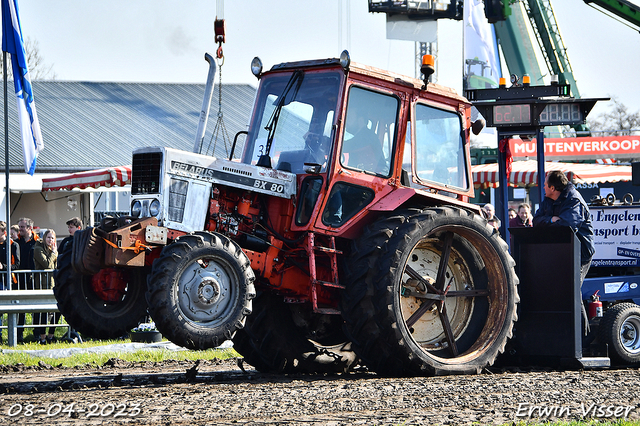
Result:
pixel 362 148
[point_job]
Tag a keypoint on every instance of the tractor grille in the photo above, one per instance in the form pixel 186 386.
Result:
pixel 177 199
pixel 145 177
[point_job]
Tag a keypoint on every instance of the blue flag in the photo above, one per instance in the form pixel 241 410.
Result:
pixel 12 43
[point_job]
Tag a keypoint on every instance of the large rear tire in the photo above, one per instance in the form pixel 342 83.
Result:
pixel 87 312
pixel 200 290
pixel 620 329
pixel 285 338
pixel 436 294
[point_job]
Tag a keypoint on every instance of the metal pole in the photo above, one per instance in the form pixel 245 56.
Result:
pixel 11 326
pixel 6 168
pixel 502 202
pixel 540 158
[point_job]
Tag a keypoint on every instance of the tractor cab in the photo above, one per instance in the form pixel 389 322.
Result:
pixel 353 135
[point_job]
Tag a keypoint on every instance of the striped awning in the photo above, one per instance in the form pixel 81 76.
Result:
pixel 107 177
pixel 525 173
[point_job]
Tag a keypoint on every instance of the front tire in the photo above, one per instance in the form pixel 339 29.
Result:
pixel 620 329
pixel 439 298
pixel 92 315
pixel 200 290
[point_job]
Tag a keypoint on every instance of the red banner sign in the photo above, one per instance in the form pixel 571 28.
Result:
pixel 584 148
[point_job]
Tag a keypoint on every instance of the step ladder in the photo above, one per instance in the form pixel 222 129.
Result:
pixel 331 253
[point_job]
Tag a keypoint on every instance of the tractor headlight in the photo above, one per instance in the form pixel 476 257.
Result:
pixel 256 66
pixel 154 208
pixel 136 209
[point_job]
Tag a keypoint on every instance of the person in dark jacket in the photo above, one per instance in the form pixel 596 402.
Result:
pixel 26 242
pixel 74 224
pixel 564 206
pixel 522 218
pixel 15 257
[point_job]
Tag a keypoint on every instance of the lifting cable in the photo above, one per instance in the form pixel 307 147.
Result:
pixel 220 129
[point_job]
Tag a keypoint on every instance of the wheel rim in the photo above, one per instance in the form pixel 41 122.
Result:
pixel 630 334
pixel 205 292
pixel 427 330
pixel 109 308
pixel 438 295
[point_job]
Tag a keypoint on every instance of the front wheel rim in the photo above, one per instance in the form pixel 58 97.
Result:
pixel 205 292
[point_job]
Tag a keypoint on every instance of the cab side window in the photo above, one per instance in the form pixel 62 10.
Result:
pixel 439 150
pixel 369 134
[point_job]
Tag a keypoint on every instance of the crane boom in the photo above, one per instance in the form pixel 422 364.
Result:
pixel 548 35
pixel 621 8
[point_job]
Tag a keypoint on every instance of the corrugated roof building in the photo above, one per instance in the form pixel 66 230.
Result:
pixel 88 125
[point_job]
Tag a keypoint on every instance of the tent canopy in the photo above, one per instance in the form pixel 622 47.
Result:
pixel 108 177
pixel 525 173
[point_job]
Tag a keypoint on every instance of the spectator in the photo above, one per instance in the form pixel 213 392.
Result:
pixel 512 213
pixel 15 232
pixel 15 260
pixel 523 217
pixel 564 206
pixel 491 216
pixel 27 238
pixel 15 256
pixel 45 254
pixel 74 224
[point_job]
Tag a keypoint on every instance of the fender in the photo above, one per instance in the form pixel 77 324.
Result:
pixel 402 195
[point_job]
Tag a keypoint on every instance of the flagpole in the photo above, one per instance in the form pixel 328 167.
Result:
pixel 7 260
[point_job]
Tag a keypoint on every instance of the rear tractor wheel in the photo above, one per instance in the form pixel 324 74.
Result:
pixel 106 305
pixel 440 298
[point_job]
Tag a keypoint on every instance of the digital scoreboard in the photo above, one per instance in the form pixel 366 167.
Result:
pixel 534 114
pixel 529 107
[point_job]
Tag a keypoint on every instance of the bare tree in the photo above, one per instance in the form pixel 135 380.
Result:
pixel 38 69
pixel 617 122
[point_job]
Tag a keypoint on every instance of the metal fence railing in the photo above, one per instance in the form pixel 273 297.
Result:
pixel 28 292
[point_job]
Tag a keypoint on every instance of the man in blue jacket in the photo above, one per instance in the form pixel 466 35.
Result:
pixel 564 206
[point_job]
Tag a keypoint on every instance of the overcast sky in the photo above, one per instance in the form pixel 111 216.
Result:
pixel 165 41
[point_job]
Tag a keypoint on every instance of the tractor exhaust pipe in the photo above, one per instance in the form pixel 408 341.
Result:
pixel 206 103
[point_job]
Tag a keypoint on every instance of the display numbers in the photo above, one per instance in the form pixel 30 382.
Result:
pixel 511 114
pixel 563 113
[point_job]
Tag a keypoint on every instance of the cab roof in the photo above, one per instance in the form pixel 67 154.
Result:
pixel 374 72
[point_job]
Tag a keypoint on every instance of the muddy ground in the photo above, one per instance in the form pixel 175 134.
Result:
pixel 229 392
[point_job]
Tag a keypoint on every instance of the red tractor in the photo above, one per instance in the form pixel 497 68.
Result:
pixel 339 231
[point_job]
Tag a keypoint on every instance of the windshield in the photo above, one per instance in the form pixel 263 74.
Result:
pixel 295 112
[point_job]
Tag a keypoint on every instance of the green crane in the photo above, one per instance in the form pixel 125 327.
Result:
pixel 629 12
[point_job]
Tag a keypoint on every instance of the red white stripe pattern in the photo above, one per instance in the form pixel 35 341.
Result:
pixel 605 160
pixel 110 176
pixel 525 173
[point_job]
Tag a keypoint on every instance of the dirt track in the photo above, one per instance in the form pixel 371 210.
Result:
pixel 220 393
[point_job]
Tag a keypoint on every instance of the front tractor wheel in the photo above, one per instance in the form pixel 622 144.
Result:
pixel 200 290
pixel 441 297
pixel 106 305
